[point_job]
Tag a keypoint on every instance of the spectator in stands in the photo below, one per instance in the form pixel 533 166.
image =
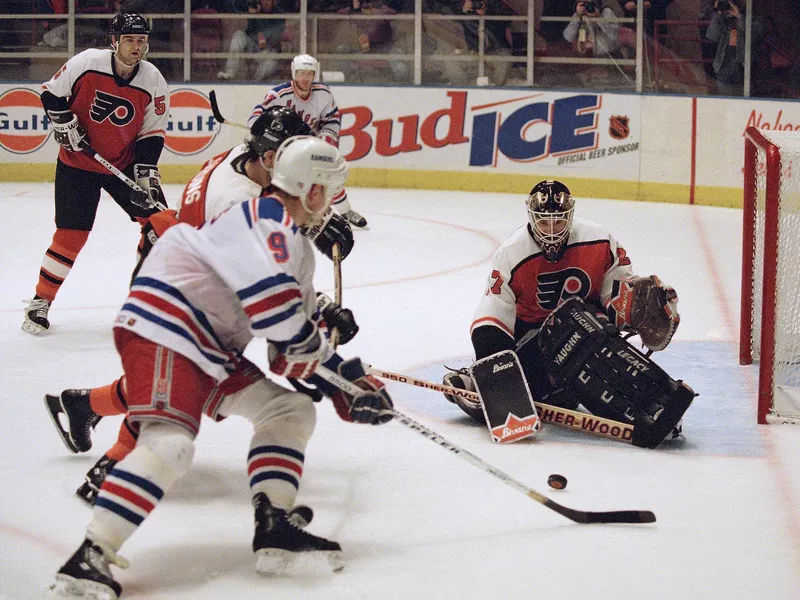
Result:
pixel 260 35
pixel 371 36
pixel 497 34
pixel 654 10
pixel 727 31
pixel 589 33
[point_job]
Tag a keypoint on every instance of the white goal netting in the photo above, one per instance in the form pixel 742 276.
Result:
pixel 786 255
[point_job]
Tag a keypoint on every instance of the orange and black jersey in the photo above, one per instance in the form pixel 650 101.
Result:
pixel 116 113
pixel 524 288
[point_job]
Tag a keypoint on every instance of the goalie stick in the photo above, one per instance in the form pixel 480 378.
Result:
pixel 572 419
pixel 577 516
pixel 91 152
pixel 212 98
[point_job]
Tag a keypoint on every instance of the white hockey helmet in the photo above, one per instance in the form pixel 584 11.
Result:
pixel 303 161
pixel 305 62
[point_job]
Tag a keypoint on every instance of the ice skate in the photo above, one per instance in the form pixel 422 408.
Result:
pixel 74 405
pixel 94 480
pixel 355 219
pixel 87 574
pixel 36 321
pixel 279 541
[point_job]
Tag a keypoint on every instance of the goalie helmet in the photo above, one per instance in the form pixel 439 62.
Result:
pixel 273 127
pixel 129 24
pixel 305 62
pixel 303 161
pixel 550 211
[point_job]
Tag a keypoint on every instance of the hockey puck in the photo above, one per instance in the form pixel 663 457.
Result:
pixel 557 482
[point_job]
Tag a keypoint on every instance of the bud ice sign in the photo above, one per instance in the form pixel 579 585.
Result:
pixel 585 134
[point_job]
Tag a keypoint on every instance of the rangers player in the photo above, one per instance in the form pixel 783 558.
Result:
pixel 201 296
pixel 241 173
pixel 118 103
pixel 314 102
pixel 560 271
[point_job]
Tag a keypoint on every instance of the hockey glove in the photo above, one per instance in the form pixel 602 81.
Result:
pixel 331 228
pixel 300 359
pixel 374 406
pixel 654 312
pixel 337 318
pixel 67 132
pixel 149 179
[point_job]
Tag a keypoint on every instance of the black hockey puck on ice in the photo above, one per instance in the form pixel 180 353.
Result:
pixel 557 482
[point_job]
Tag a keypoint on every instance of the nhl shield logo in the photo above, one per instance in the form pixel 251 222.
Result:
pixel 619 127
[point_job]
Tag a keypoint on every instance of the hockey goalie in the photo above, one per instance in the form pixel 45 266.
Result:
pixel 550 327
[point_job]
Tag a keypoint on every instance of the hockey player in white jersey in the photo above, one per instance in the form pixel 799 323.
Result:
pixel 201 296
pixel 315 103
pixel 241 173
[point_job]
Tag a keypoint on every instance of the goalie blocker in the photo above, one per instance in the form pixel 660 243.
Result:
pixel 584 353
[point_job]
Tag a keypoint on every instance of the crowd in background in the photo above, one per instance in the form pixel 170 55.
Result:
pixel 710 39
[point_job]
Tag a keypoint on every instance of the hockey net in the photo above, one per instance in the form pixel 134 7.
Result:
pixel 770 311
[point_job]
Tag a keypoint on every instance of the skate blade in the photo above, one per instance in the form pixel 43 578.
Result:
pixel 282 562
pixel 54 409
pixel 69 587
pixel 32 328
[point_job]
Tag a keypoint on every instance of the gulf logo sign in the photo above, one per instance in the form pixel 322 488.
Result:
pixel 24 126
pixel 192 126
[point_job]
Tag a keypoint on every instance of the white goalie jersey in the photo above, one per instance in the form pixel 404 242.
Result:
pixel 524 288
pixel 206 293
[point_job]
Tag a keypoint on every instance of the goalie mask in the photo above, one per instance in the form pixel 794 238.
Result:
pixel 550 211
pixel 303 161
pixel 273 127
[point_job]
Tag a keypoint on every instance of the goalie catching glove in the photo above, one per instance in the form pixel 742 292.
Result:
pixel 374 406
pixel 67 132
pixel 648 307
pixel 338 318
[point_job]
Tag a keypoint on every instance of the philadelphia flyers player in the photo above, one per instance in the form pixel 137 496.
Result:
pixel 553 258
pixel 242 173
pixel 118 103
pixel 200 297
pixel 315 103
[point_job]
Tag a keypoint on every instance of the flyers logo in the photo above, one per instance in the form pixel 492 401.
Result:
pixel 24 126
pixel 552 288
pixel 191 127
pixel 106 106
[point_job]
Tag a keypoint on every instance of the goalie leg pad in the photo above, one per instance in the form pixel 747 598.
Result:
pixel 584 353
pixel 505 397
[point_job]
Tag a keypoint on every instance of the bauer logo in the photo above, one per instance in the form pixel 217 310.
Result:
pixel 192 126
pixel 24 126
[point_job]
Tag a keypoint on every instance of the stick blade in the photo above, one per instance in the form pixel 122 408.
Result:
pixel 613 516
pixel 212 98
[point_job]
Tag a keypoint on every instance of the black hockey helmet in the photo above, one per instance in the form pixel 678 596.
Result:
pixel 549 204
pixel 128 24
pixel 276 124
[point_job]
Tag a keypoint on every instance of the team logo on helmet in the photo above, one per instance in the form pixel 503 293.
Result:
pixel 192 127
pixel 24 126
pixel 553 288
pixel 114 108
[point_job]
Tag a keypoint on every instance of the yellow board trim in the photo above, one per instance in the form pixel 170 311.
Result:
pixel 514 183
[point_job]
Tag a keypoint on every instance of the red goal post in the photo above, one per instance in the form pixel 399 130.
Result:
pixel 770 305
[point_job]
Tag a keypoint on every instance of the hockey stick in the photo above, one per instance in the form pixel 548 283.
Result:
pixel 572 419
pixel 337 288
pixel 91 152
pixel 578 516
pixel 212 98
